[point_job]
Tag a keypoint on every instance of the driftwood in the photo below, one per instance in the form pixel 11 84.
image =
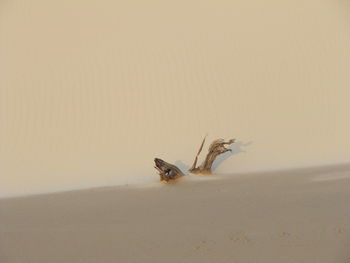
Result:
pixel 167 171
pixel 216 148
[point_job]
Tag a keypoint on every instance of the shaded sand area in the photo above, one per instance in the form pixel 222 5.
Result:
pixel 283 216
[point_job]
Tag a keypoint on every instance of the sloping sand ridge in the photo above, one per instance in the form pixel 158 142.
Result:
pixel 286 217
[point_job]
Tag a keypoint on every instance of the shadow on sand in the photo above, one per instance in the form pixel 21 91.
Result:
pixel 236 148
pixel 182 166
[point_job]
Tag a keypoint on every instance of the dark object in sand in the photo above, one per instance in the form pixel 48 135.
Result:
pixel 216 148
pixel 167 171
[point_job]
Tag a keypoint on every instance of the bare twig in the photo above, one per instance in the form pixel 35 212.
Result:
pixel 216 148
pixel 196 159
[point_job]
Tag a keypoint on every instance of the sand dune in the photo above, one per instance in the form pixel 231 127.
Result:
pixel 286 216
pixel 92 91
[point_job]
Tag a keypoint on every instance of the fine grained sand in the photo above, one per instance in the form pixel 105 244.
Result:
pixel 286 216
pixel 92 91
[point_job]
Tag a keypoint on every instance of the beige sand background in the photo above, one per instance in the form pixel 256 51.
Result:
pixel 92 91
pixel 284 217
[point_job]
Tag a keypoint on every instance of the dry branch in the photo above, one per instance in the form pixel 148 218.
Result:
pixel 216 148
pixel 196 159
pixel 167 171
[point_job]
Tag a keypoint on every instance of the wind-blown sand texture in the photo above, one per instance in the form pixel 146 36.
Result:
pixel 92 91
pixel 284 216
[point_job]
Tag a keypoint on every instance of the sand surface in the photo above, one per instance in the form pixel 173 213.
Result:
pixel 291 216
pixel 92 91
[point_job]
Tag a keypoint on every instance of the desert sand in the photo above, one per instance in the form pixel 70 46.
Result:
pixel 289 216
pixel 92 91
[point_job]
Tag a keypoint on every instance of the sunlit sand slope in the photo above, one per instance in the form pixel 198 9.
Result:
pixel 92 91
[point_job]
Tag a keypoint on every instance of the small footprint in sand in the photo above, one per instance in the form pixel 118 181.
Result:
pixel 288 237
pixel 284 234
pixel 202 246
pixel 240 238
pixel 338 230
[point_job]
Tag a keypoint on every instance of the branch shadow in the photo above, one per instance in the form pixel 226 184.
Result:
pixel 182 166
pixel 236 148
